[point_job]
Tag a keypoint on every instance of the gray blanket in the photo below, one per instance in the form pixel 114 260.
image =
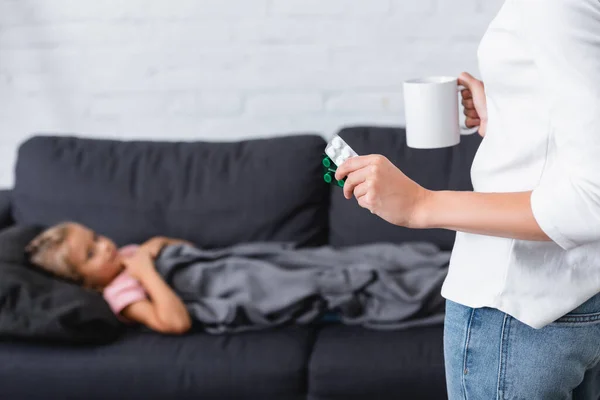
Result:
pixel 264 285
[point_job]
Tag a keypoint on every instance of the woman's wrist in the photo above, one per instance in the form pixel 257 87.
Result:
pixel 425 210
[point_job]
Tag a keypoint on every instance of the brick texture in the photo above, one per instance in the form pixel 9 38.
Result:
pixel 221 69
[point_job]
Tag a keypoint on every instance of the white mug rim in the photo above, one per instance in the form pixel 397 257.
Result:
pixel 432 80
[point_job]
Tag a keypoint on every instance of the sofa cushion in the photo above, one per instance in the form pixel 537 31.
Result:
pixel 436 169
pixel 259 365
pixel 213 194
pixel 37 306
pixel 353 363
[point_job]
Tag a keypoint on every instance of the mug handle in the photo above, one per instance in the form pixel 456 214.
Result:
pixel 463 129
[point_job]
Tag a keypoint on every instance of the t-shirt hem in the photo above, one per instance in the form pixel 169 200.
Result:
pixel 502 306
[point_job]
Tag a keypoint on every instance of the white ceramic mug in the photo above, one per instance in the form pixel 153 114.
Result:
pixel 432 113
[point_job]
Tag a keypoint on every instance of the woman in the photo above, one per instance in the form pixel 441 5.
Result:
pixel 523 303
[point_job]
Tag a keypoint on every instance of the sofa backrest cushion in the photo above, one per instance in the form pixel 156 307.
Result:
pixel 437 169
pixel 213 194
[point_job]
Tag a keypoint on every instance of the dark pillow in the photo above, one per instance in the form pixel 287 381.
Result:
pixel 5 217
pixel 437 169
pixel 35 305
pixel 13 241
pixel 210 193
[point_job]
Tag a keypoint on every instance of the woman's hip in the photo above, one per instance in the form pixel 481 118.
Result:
pixel 490 355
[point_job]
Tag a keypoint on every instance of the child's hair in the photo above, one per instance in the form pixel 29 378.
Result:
pixel 47 251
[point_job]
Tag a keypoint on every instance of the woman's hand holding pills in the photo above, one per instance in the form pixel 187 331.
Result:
pixel 383 189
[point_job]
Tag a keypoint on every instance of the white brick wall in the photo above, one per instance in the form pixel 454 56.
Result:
pixel 220 69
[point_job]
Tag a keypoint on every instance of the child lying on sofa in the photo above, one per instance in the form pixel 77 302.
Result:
pixel 249 286
pixel 126 277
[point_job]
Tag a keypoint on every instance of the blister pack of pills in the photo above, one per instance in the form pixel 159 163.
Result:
pixel 336 152
pixel 339 151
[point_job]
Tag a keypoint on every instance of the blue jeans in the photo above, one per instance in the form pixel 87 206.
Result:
pixel 491 356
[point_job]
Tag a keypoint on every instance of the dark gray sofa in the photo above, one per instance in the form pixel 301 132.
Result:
pixel 218 194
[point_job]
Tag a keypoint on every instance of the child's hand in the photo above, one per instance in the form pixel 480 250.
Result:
pixel 178 241
pixel 154 245
pixel 139 263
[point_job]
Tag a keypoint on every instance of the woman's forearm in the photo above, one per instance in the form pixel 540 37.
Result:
pixel 168 306
pixel 496 214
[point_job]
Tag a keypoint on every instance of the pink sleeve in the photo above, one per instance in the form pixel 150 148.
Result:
pixel 129 250
pixel 123 291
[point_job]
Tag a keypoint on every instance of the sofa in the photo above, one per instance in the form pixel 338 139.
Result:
pixel 217 194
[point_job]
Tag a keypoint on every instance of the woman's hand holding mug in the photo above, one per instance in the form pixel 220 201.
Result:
pixel 473 99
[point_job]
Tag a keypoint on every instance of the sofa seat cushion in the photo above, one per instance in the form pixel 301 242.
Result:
pixel 436 169
pixel 354 363
pixel 214 194
pixel 260 365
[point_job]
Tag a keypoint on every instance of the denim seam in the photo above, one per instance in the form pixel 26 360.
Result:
pixel 597 358
pixel 581 318
pixel 504 337
pixel 466 350
pixel 595 361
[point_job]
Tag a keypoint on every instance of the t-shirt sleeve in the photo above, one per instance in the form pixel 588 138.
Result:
pixel 122 292
pixel 129 250
pixel 564 40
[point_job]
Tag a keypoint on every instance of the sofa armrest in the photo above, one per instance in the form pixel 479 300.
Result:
pixel 5 209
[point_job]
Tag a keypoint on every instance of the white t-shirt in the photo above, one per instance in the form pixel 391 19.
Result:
pixel 540 62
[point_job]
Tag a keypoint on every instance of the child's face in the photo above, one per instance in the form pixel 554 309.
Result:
pixel 95 257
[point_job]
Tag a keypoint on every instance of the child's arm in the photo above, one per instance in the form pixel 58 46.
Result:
pixel 155 244
pixel 164 311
